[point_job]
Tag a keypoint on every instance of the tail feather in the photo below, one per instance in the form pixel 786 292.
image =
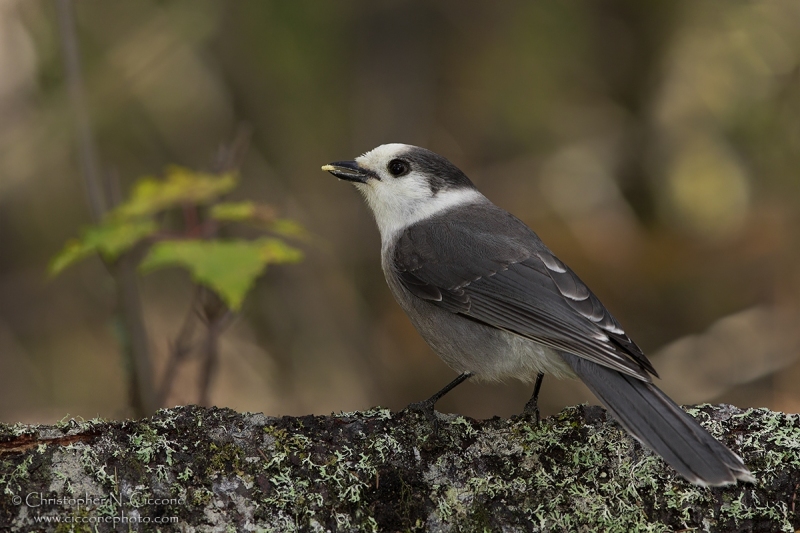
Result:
pixel 652 417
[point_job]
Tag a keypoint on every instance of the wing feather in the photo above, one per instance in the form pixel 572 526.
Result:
pixel 495 270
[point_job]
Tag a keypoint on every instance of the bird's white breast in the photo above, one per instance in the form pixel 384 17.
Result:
pixel 400 203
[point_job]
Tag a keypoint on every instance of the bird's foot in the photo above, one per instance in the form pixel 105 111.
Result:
pixel 426 409
pixel 532 408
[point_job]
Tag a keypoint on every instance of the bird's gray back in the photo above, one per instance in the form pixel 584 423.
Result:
pixel 484 265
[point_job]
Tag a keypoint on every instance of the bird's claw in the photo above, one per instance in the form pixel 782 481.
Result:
pixel 532 408
pixel 426 409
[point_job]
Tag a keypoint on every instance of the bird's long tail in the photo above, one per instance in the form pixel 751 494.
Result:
pixel 649 415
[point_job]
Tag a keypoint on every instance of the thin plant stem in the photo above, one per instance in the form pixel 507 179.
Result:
pixel 129 307
pixel 180 349
pixel 87 151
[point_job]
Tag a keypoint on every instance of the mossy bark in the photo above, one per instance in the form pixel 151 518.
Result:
pixel 196 469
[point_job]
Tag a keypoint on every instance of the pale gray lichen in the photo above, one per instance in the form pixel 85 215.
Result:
pixel 380 471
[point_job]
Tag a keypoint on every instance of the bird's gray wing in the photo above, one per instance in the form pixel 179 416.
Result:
pixel 485 264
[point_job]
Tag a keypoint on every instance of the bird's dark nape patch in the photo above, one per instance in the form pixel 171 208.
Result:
pixel 441 173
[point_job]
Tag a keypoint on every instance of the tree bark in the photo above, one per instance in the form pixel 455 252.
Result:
pixel 197 469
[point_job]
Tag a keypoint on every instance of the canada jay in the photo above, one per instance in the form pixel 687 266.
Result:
pixel 494 302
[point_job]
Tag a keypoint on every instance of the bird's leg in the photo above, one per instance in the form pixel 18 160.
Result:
pixel 426 407
pixel 532 407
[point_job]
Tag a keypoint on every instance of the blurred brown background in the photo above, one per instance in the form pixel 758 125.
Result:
pixel 654 146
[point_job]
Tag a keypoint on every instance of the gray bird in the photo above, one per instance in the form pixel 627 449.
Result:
pixel 494 302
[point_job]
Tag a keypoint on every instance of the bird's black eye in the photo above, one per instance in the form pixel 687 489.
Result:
pixel 398 167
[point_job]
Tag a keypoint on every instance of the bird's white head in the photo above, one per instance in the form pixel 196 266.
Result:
pixel 405 184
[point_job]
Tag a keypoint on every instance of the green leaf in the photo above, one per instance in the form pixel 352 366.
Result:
pixel 289 228
pixel 277 251
pixel 114 237
pixel 234 211
pixel 179 186
pixel 230 268
pixel 262 215
pixel 73 251
pixel 110 239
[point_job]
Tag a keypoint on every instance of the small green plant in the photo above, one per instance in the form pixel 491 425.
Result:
pixel 228 267
pixel 146 227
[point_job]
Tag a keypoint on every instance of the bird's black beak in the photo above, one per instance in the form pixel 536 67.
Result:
pixel 348 170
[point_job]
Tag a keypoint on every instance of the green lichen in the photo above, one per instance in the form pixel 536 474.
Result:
pixel 379 413
pixel 147 443
pixel 16 429
pixel 378 471
pixel 201 496
pixel 75 524
pixel 12 476
pixel 223 458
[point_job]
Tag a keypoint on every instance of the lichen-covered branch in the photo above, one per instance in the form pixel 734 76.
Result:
pixel 196 469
